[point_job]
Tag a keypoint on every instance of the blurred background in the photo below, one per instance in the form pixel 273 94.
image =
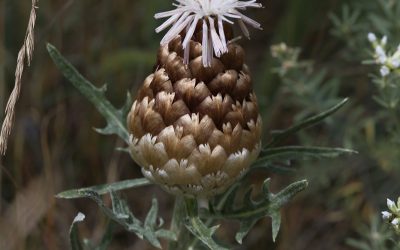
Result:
pixel 53 146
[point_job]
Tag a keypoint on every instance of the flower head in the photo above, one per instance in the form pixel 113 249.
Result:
pixel 372 37
pixel 391 205
pixel 386 215
pixel 384 71
pixel 211 14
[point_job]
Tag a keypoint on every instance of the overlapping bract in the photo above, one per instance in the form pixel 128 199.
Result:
pixel 195 129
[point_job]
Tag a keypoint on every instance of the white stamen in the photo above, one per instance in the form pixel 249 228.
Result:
pixel 206 62
pixel 167 23
pixel 222 33
pixel 210 52
pixel 189 12
pixel 190 32
pixel 186 55
pixel 176 29
pixel 249 21
pixel 218 46
pixel 244 29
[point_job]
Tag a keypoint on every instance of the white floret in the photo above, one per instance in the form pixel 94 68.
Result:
pixel 212 13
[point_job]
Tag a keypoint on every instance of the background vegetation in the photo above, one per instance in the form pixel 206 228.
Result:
pixel 53 146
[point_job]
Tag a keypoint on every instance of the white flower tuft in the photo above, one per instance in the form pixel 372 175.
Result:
pixel 384 71
pixel 396 222
pixel 384 40
pixel 391 205
pixel 371 37
pixel 386 215
pixel 212 13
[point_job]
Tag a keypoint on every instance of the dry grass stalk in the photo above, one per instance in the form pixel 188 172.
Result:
pixel 25 213
pixel 25 52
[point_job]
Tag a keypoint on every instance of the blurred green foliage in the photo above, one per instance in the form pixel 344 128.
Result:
pixel 113 42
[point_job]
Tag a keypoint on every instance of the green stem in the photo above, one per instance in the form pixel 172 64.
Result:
pixel 192 210
pixel 389 99
pixel 178 225
pixel 195 240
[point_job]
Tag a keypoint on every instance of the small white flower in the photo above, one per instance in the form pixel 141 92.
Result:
pixel 381 55
pixel 397 53
pixel 384 40
pixel 391 205
pixel 386 215
pixel 382 59
pixel 395 62
pixel 371 37
pixel 396 222
pixel 384 72
pixel 212 13
pixel 380 52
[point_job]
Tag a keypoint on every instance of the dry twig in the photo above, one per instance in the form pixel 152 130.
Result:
pixel 26 51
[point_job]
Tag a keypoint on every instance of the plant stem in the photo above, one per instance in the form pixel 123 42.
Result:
pixel 178 225
pixel 192 211
pixel 2 75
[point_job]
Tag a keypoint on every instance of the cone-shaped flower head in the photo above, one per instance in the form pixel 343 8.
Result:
pixel 195 127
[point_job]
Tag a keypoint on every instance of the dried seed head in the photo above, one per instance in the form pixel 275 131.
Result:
pixel 195 127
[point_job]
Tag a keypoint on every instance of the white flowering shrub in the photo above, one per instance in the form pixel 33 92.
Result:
pixel 392 215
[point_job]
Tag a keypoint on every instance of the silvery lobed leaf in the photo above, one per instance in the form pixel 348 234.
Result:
pixel 250 211
pixel 115 118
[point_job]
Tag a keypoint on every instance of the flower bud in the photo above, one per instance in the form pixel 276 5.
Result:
pixel 195 127
pixel 386 215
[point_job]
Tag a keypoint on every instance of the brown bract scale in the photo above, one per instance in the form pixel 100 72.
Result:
pixel 195 130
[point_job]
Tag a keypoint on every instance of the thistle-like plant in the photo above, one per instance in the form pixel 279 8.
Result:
pixel 195 130
pixel 195 127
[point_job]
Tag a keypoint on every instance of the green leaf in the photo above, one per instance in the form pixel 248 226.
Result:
pixel 166 234
pixel 76 243
pixel 120 212
pixel 357 244
pixel 107 237
pixel 279 136
pixel 245 227
pixel 103 189
pixel 115 118
pixel 74 239
pixel 276 224
pixel 122 215
pixel 251 211
pixel 298 152
pixel 177 222
pixel 150 225
pixel 197 227
pixel 151 217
